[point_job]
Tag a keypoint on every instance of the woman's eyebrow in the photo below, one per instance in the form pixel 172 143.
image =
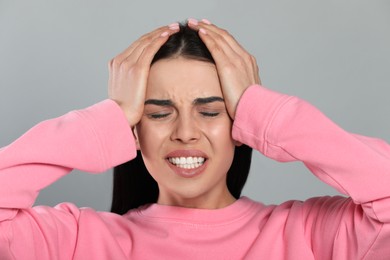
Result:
pixel 197 101
pixel 159 102
pixel 206 100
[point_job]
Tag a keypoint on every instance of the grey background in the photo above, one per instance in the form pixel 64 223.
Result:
pixel 335 54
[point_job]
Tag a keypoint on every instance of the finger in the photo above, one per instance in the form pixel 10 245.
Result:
pixel 256 71
pixel 144 40
pixel 123 55
pixel 208 26
pixel 117 65
pixel 140 64
pixel 149 51
pixel 218 41
pixel 204 26
pixel 219 48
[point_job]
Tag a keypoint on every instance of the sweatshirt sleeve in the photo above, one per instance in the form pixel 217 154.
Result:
pixel 93 140
pixel 285 128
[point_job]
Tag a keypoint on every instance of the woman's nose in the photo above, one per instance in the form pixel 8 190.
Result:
pixel 186 130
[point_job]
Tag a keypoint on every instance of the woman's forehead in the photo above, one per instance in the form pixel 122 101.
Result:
pixel 180 76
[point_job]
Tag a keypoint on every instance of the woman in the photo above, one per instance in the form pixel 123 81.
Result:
pixel 187 116
pixel 128 191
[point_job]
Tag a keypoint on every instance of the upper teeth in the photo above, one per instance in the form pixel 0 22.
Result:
pixel 187 162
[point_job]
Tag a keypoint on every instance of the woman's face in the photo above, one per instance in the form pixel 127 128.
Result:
pixel 185 134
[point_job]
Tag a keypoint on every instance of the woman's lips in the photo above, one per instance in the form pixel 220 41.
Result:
pixel 187 173
pixel 186 153
pixel 187 163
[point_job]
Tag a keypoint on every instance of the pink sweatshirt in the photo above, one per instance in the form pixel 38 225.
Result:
pixel 281 127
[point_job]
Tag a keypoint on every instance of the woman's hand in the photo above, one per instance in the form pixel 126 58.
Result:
pixel 129 72
pixel 237 69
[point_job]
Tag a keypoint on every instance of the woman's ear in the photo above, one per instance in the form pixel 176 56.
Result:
pixel 136 138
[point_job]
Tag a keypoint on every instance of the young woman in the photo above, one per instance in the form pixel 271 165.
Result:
pixel 189 99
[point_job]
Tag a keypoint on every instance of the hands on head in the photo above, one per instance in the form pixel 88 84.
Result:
pixel 129 71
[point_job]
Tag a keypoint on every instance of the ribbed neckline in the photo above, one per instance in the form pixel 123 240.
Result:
pixel 197 216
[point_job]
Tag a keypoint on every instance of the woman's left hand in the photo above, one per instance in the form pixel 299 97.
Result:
pixel 237 69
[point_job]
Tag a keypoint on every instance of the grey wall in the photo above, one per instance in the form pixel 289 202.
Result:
pixel 335 54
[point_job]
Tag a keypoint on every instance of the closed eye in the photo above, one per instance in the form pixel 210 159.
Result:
pixel 158 116
pixel 209 114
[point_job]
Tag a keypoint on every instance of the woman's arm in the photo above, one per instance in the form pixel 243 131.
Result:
pixel 94 140
pixel 286 128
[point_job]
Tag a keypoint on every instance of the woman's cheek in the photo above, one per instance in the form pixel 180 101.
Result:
pixel 219 130
pixel 152 135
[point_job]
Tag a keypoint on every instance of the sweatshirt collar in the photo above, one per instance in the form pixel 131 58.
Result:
pixel 197 216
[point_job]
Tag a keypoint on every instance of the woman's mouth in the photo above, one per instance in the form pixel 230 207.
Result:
pixel 187 162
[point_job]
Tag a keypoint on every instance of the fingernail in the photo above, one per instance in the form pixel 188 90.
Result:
pixel 206 21
pixel 164 34
pixel 201 30
pixel 173 26
pixel 192 21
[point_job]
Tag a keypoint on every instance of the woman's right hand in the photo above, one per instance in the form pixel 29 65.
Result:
pixel 129 72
